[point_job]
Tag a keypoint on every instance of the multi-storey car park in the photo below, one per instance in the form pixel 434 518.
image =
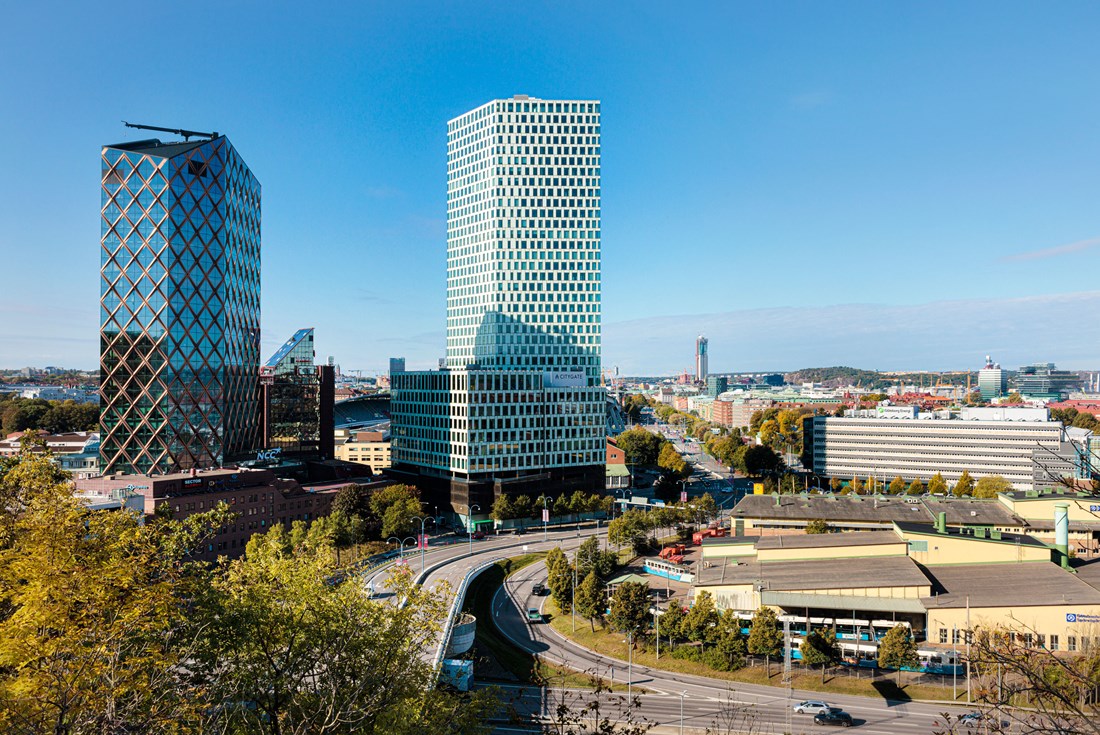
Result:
pixel 519 407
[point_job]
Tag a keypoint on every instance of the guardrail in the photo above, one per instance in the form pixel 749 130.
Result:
pixel 456 606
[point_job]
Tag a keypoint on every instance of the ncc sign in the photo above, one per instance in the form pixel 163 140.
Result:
pixel 268 454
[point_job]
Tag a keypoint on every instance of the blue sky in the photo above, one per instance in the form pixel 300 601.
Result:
pixel 911 164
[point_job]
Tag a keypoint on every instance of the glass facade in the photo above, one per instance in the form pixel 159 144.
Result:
pixel 180 306
pixel 521 394
pixel 292 390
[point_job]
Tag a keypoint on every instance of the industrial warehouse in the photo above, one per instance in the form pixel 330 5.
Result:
pixel 938 566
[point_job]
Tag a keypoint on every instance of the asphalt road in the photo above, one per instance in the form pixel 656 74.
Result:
pixel 706 702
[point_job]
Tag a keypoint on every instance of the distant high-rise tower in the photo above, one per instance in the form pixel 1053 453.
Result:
pixel 701 359
pixel 992 380
pixel 180 306
pixel 397 365
pixel 519 408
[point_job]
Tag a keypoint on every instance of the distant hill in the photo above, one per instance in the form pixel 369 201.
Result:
pixel 841 376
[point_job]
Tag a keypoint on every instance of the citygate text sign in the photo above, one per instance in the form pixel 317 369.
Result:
pixel 564 379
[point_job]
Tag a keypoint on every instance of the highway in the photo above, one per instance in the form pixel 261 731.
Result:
pixel 706 702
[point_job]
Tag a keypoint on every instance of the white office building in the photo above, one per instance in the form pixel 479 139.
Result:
pixel 992 380
pixel 1020 444
pixel 519 407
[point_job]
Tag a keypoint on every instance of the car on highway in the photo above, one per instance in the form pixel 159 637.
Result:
pixel 811 707
pixel 533 615
pixel 478 535
pixel 978 719
pixel 521 530
pixel 539 589
pixel 833 716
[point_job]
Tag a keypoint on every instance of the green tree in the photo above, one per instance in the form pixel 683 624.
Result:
pixel 591 599
pixel 701 619
pixel 856 485
pixel 383 498
pixel 818 525
pixel 351 500
pixel 989 486
pixel 560 579
pixel 640 446
pixel 590 558
pixel 897 650
pixel 916 487
pixel 873 485
pixel 630 529
pixel 525 507
pixel 765 637
pixel 897 486
pixel 1014 398
pixel 93 631
pixel 965 485
pixel 671 461
pixel 729 642
pixel 316 657
pixel 937 485
pixel 630 607
pixel 820 648
pixel 397 520
pixel 671 621
pixel 835 483
pixel 503 508
pixel 761 460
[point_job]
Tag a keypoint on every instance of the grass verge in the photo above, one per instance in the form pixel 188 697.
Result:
pixel 610 643
pixel 518 664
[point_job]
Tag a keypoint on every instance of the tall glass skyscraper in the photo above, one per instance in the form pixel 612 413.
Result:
pixel 180 306
pixel 701 359
pixel 519 407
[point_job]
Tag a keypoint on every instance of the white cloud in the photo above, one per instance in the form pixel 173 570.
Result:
pixel 1073 247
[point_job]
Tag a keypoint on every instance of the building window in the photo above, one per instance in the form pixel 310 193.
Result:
pixel 955 636
pixel 943 635
pixel 1041 640
pixel 1053 642
pixel 1071 643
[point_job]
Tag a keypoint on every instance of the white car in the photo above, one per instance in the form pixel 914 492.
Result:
pixel 811 707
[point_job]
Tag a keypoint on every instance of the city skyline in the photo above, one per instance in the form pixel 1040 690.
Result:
pixel 842 157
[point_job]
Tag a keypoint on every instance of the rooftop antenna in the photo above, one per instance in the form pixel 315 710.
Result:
pixel 185 134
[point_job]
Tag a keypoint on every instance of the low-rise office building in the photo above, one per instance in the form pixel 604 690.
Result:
pixel 257 497
pixel 1020 444
pixel 938 580
pixel 370 448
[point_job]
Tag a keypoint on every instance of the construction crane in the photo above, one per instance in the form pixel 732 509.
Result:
pixel 185 134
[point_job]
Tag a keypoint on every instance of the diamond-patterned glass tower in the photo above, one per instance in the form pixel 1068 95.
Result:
pixel 180 306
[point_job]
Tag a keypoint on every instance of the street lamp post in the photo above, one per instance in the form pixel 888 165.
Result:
pixel 545 516
pixel 422 541
pixel 629 662
pixel 470 523
pixel 401 545
pixel 573 606
pixel 657 623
